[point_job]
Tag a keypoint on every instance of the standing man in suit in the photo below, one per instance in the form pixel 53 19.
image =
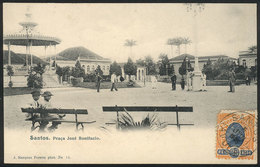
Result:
pixel 173 79
pixel 99 79
pixel 232 80
pixel 113 81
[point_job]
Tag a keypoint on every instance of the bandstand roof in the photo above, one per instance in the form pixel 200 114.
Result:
pixel 37 40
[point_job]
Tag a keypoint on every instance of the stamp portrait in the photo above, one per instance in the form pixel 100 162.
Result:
pixel 236 134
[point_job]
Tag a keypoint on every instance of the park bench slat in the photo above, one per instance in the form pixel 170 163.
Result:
pixel 55 111
pixel 147 109
pixel 44 116
pixel 89 122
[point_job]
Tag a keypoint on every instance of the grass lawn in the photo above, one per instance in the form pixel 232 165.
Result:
pixel 17 91
pixel 105 85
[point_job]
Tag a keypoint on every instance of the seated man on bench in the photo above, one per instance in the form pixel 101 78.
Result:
pixel 34 104
pixel 46 104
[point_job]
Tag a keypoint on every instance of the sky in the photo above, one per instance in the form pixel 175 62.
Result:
pixel 103 28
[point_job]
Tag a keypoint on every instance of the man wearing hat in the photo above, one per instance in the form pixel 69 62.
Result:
pixel 47 97
pixel 34 104
pixel 36 96
pixel 47 105
pixel 173 79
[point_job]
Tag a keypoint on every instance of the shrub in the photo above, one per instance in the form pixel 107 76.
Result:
pixel 126 122
pixel 75 81
pixel 106 78
pixel 240 75
pixel 222 76
pixel 10 84
pixel 90 77
pixel 34 80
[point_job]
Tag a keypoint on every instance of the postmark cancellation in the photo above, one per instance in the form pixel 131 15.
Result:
pixel 236 135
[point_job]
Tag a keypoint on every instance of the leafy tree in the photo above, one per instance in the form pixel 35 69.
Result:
pixel 39 69
pixel 66 72
pixel 165 67
pixel 34 79
pixel 78 65
pixel 185 66
pixel 10 73
pixel 98 70
pixel 208 69
pixel 59 72
pixel 148 64
pixel 171 70
pixel 114 67
pixel 140 62
pixel 78 71
pixel 130 68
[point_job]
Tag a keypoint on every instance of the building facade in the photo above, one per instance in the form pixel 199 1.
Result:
pixel 247 59
pixel 90 65
pixel 177 61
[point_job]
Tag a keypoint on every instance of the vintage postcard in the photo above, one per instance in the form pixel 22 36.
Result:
pixel 130 83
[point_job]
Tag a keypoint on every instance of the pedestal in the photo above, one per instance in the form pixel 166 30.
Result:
pixel 196 81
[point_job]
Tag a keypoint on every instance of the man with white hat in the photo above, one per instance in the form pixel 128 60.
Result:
pixel 47 105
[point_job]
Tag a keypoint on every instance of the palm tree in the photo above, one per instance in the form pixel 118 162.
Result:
pixel 185 42
pixel 170 42
pixel 130 43
pixel 252 49
pixel 177 42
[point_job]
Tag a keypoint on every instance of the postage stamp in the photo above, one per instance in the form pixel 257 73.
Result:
pixel 236 135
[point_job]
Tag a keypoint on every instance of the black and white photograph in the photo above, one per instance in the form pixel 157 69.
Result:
pixel 130 83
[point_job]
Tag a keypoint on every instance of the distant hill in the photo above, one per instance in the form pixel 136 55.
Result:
pixel 75 52
pixel 19 58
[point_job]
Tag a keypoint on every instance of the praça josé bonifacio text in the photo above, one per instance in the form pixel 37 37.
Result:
pixel 62 138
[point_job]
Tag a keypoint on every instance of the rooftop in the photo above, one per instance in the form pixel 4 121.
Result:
pixel 181 57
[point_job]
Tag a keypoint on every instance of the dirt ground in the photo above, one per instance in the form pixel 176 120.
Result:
pixel 206 105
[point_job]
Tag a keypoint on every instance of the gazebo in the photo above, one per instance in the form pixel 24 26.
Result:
pixel 29 37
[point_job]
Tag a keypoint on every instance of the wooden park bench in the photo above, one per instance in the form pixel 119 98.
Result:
pixel 175 109
pixel 45 119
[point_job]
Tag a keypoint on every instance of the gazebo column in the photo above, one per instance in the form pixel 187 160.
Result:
pixel 50 58
pixel 55 56
pixel 45 51
pixel 26 56
pixel 9 54
pixel 30 47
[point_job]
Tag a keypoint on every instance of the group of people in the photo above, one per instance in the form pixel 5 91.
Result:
pixel 189 81
pixel 44 104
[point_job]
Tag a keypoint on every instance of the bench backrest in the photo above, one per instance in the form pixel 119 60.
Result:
pixel 147 109
pixel 55 111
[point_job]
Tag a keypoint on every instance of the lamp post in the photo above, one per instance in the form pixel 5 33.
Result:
pixel 195 9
